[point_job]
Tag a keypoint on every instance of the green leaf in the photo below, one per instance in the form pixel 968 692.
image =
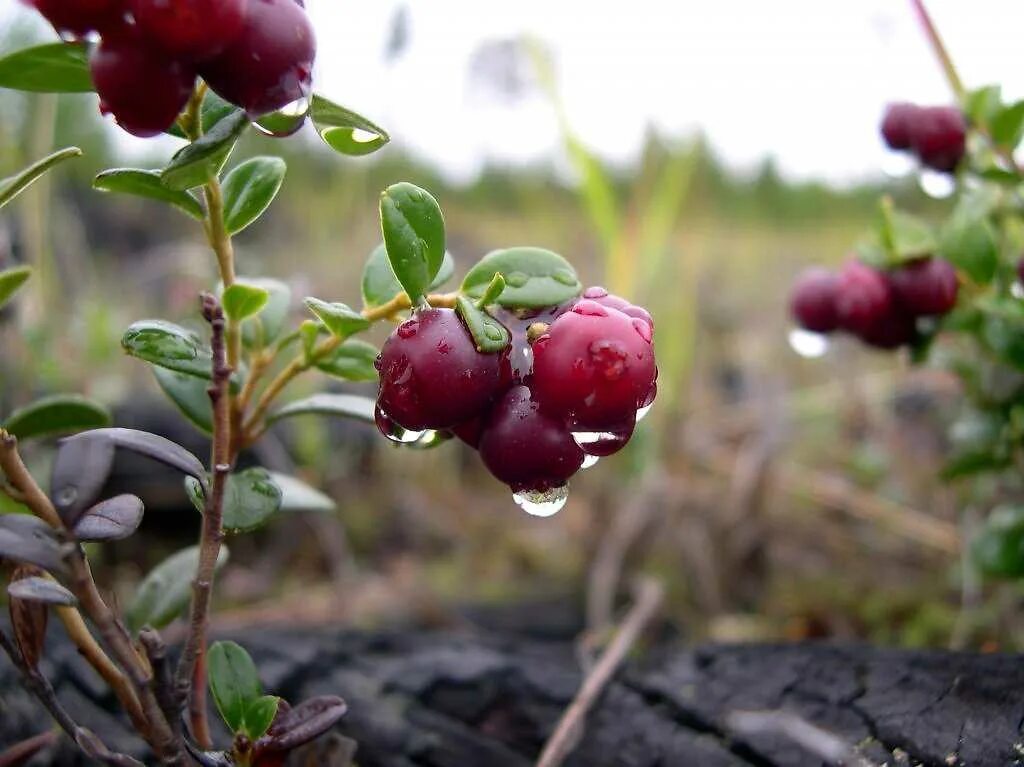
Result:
pixel 905 236
pixel 380 284
pixel 489 335
pixel 269 323
pixel 198 162
pixel 983 104
pixel 309 331
pixel 234 682
pixel 998 548
pixel 189 394
pixel 11 280
pixel 296 495
pixel 59 414
pixel 352 361
pixel 338 318
pixel 345 131
pixel 213 110
pixel 166 591
pixel 251 498
pixel 341 405
pixel 534 278
pixel 413 229
pixel 243 300
pixel 260 715
pixel 12 186
pixel 249 189
pixel 1008 125
pixel 168 346
pixel 49 68
pixel 146 183
pixel 970 243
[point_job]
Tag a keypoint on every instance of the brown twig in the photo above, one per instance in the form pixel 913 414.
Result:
pixel 39 686
pixel 156 653
pixel 23 483
pixel 20 753
pixel 649 594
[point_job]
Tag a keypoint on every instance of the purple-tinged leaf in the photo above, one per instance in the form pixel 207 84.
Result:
pixel 42 590
pixel 31 541
pixel 111 520
pixel 79 472
pixel 302 723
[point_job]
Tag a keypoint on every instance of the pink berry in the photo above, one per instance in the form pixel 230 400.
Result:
pixel 813 300
pixel 863 297
pixel 605 298
pixel 926 286
pixel 190 29
pixel 896 124
pixel 938 137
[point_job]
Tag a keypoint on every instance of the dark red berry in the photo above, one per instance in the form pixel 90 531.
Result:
pixel 79 17
pixel 926 286
pixel 813 300
pixel 190 29
pixel 526 448
pixel 432 376
pixel 595 366
pixel 270 63
pixel 938 135
pixel 1020 270
pixel 142 89
pixel 605 298
pixel 890 330
pixel 470 431
pixel 896 124
pixel 863 297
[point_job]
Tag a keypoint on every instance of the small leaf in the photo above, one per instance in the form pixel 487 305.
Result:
pixel 80 470
pixel 111 520
pixel 242 300
pixel 982 104
pixel 380 284
pixel 303 723
pixel 337 317
pixel 1007 126
pixel 309 331
pixel 189 394
pixel 28 539
pixel 905 236
pixel 489 335
pixel 11 280
pixel 268 325
pixel 534 278
pixel 970 243
pixel 213 110
pixel 168 346
pixel 296 495
pixel 341 405
pixel 251 498
pixel 49 68
pixel 352 361
pixel 998 548
pixel 12 186
pixel 166 591
pixel 147 183
pixel 196 163
pixel 151 445
pixel 39 589
pixel 249 189
pixel 414 236
pixel 260 715
pixel 59 414
pixel 493 291
pixel 345 131
pixel 234 682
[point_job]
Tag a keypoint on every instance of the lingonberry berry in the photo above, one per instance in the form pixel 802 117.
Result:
pixel 603 297
pixel 525 447
pixel 190 29
pixel 937 135
pixel 594 366
pixel 813 300
pixel 142 89
pixel 863 297
pixel 925 286
pixel 896 125
pixel 270 63
pixel 431 374
pixel 889 330
pixel 79 17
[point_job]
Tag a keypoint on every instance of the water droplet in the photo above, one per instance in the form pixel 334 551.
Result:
pixel 590 308
pixel 408 329
pixel 595 292
pixel 590 460
pixel 1017 290
pixel 643 328
pixel 67 496
pixel 544 503
pixel 602 443
pixel 397 433
pixel 565 277
pixel 808 344
pixel 898 164
pixel 516 279
pixel 285 121
pixel 493 333
pixel 643 411
pixel 936 185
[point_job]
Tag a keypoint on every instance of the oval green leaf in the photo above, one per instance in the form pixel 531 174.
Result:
pixel 296 495
pixel 414 236
pixel 168 346
pixel 345 131
pixel 340 405
pixel 234 682
pixel 351 361
pixel 338 318
pixel 11 280
pixel 534 278
pixel 59 414
pixel 189 394
pixel 249 189
pixel 166 591
pixel 49 68
pixel 380 285
pixel 489 335
pixel 12 186
pixel 147 183
pixel 198 162
pixel 260 715
pixel 243 300
pixel 251 498
pixel 269 322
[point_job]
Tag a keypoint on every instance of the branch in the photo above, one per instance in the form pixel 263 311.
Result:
pixel 20 753
pixel 23 483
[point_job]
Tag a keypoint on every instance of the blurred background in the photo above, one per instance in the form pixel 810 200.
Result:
pixel 691 156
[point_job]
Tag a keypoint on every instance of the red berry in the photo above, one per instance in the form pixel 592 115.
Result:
pixel 863 297
pixel 1020 270
pixel 595 366
pixel 896 124
pixel 470 431
pixel 926 286
pixel 190 29
pixel 143 90
pixel 938 135
pixel 890 330
pixel 79 17
pixel 270 63
pixel 431 374
pixel 525 447
pixel 605 298
pixel 813 300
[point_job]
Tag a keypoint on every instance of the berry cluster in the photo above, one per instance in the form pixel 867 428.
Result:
pixel 256 54
pixel 593 369
pixel 878 306
pixel 936 135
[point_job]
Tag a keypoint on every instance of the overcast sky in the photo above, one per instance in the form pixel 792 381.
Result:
pixel 803 80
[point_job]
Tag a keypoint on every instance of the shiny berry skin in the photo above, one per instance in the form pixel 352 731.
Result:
pixel 79 17
pixel 938 136
pixel 890 330
pixel 924 287
pixel 526 448
pixel 142 89
pixel 605 298
pixel 432 376
pixel 190 29
pixel 812 301
pixel 270 63
pixel 863 297
pixel 594 366
pixel 896 125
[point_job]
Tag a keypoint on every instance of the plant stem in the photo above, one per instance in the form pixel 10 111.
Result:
pixel 940 50
pixel 212 533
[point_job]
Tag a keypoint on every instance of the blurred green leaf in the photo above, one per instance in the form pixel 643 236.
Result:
pixel 234 682
pixel 414 236
pixel 249 189
pixel 338 318
pixel 534 278
pixel 970 243
pixel 489 335
pixel 12 186
pixel 11 280
pixel 59 414
pixel 345 131
pixel 260 715
pixel 905 236
pixel 169 346
pixel 196 163
pixel 251 498
pixel 243 300
pixel 189 394
pixel 380 285
pixel 268 324
pixel 1007 125
pixel 213 110
pixel 296 495
pixel 351 361
pixel 146 183
pixel 341 405
pixel 998 548
pixel 983 104
pixel 48 68
pixel 166 591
